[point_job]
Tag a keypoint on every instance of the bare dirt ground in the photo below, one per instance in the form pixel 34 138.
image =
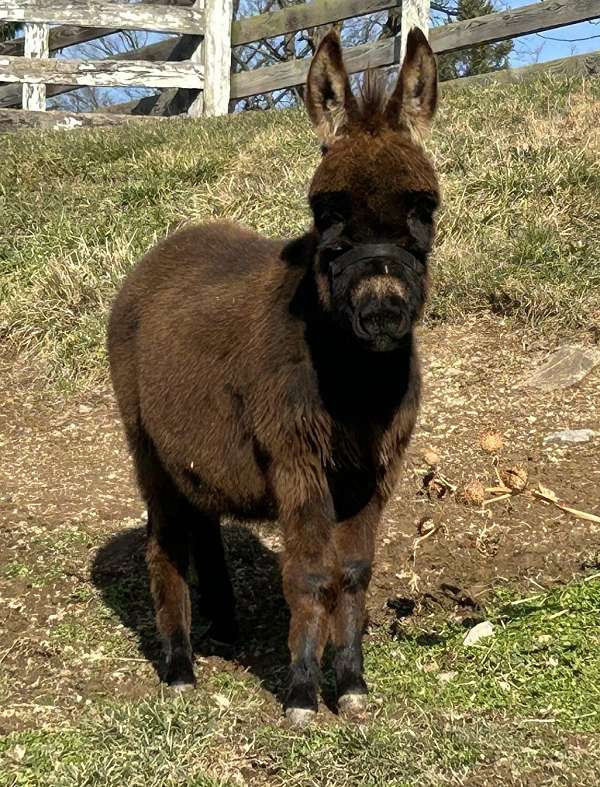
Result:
pixel 72 527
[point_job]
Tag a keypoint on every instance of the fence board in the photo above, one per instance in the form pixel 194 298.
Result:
pixel 507 24
pixel 136 16
pixel 300 17
pixel 64 36
pixel 21 119
pixel 532 18
pixel 541 16
pixel 60 37
pixel 293 72
pixel 217 57
pixel 10 95
pixel 101 73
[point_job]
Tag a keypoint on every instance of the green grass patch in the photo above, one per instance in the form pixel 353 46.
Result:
pixel 518 231
pixel 521 707
pixel 541 661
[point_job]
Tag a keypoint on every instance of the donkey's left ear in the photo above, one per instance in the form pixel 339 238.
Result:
pixel 414 99
pixel 329 100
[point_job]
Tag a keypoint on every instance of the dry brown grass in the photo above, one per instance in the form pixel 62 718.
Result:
pixel 518 232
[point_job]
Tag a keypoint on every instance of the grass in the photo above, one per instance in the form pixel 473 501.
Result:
pixel 518 232
pixel 520 707
pixel 523 705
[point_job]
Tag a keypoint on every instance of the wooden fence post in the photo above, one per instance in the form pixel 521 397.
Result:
pixel 36 45
pixel 217 57
pixel 415 13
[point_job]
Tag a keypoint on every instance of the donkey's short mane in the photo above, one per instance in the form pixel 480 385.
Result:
pixel 373 96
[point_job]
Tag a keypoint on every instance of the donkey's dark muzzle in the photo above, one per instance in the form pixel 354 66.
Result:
pixel 374 320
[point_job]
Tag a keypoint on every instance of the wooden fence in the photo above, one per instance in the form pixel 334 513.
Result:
pixel 198 62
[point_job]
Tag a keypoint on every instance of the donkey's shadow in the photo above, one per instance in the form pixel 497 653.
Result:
pixel 119 572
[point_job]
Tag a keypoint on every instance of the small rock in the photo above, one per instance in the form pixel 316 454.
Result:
pixel 481 630
pixel 565 367
pixel 85 408
pixel 570 436
pixel 446 677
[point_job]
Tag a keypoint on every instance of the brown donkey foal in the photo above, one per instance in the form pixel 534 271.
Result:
pixel 263 378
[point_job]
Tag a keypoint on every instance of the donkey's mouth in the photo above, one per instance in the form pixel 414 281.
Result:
pixel 380 336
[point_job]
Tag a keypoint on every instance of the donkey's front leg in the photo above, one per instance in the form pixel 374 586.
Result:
pixel 354 544
pixel 310 585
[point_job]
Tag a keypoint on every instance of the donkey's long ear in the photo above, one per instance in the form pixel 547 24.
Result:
pixel 329 100
pixel 413 102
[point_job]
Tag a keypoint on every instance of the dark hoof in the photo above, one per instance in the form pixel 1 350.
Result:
pixel 180 673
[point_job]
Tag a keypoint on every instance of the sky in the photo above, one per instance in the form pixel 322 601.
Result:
pixel 543 46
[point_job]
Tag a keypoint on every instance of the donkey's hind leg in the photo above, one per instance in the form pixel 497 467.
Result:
pixel 167 557
pixel 217 599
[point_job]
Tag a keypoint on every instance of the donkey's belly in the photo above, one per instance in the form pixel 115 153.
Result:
pixel 238 488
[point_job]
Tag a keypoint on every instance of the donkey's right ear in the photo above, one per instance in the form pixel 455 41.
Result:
pixel 329 100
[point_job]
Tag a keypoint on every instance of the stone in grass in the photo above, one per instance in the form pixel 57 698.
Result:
pixel 480 631
pixel 570 436
pixel 565 367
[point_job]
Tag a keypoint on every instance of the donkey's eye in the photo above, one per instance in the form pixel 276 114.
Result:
pixel 324 150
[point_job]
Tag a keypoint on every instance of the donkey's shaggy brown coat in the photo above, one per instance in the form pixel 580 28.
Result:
pixel 266 378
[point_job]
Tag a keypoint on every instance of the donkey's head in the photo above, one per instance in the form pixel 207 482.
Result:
pixel 374 193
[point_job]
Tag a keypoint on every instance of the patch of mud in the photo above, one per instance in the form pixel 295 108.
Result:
pixel 75 617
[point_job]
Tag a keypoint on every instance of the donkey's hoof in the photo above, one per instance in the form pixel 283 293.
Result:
pixel 353 706
pixel 179 687
pixel 180 674
pixel 300 717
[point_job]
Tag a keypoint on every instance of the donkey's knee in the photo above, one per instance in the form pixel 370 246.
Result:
pixel 356 575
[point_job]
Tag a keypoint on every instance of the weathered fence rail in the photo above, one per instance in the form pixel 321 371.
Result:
pixel 124 16
pixel 199 60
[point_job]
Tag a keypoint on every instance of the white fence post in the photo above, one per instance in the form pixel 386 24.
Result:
pixel 217 57
pixel 415 13
pixel 36 45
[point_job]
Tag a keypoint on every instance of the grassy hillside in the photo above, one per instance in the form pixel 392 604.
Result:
pixel 519 231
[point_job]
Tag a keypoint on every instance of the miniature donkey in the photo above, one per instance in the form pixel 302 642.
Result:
pixel 279 379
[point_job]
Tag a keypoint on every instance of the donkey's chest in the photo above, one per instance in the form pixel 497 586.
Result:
pixel 353 469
